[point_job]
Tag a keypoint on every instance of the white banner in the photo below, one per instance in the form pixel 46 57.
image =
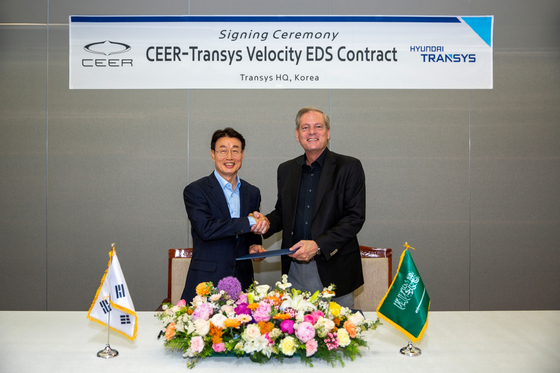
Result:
pixel 279 52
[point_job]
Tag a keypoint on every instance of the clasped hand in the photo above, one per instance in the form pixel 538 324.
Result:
pixel 262 224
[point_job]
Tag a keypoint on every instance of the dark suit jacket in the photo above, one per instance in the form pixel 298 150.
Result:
pixel 217 238
pixel 338 216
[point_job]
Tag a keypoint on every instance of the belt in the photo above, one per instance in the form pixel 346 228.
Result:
pixel 303 261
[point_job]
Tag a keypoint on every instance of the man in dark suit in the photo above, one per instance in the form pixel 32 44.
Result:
pixel 218 207
pixel 320 208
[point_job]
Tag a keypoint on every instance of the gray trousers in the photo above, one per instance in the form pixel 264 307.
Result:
pixel 304 276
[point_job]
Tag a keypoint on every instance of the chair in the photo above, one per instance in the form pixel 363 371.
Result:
pixel 377 264
pixel 177 268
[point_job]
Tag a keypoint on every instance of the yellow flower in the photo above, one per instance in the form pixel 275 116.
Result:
pixel 203 289
pixel 343 338
pixel 232 323
pixel 335 309
pixel 288 346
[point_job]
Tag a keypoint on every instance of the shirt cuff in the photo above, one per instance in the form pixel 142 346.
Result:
pixel 251 221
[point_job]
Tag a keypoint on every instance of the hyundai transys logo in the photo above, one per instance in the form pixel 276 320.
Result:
pixel 107 48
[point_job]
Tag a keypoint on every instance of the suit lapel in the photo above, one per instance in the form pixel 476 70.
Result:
pixel 217 194
pixel 294 178
pixel 243 197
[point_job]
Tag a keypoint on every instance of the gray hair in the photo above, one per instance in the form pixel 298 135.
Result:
pixel 307 109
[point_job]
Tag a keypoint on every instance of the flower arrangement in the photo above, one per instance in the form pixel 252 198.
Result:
pixel 263 323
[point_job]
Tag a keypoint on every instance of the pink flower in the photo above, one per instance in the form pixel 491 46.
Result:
pixel 317 315
pixel 220 347
pixel 204 311
pixel 242 309
pixel 313 317
pixel 287 326
pixel 309 318
pixel 262 313
pixel 305 332
pixel 311 347
pixel 197 344
pixel 331 341
pixel 242 299
pixel 181 303
pixel 270 341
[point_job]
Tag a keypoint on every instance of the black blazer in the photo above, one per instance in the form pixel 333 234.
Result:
pixel 217 238
pixel 338 216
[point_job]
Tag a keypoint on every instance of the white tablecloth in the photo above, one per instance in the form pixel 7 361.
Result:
pixel 499 341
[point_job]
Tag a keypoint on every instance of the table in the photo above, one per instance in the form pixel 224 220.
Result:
pixel 494 341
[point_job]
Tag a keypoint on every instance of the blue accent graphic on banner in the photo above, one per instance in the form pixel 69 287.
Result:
pixel 392 19
pixel 482 26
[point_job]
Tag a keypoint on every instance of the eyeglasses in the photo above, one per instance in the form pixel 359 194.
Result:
pixel 235 153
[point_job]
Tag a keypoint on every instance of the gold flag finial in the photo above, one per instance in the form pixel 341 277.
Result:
pixel 407 246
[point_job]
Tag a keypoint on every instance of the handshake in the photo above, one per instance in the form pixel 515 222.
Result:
pixel 262 224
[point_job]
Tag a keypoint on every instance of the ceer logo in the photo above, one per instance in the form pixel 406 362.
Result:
pixel 107 48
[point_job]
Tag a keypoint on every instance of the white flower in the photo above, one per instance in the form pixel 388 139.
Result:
pixel 189 327
pixel 198 300
pixel 179 326
pixel 228 310
pixel 284 284
pixel 297 302
pixel 189 353
pixel 252 332
pixel 261 291
pixel 202 326
pixel 218 320
pixel 275 333
pixel 255 345
pixel 324 326
pixel 345 311
pixel 357 318
pixel 215 297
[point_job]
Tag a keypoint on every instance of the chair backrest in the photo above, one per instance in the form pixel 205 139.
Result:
pixel 377 265
pixel 179 261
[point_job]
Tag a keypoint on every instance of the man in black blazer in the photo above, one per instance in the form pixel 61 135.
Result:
pixel 320 209
pixel 218 207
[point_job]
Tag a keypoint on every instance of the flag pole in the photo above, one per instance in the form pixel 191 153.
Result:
pixel 108 352
pixel 410 350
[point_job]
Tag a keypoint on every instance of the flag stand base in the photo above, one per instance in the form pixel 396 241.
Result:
pixel 410 350
pixel 107 353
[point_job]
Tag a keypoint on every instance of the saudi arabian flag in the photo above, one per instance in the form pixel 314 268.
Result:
pixel 406 304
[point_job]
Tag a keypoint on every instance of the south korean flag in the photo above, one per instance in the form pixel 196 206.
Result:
pixel 112 304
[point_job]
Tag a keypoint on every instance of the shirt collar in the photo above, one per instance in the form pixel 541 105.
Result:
pixel 319 161
pixel 224 183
